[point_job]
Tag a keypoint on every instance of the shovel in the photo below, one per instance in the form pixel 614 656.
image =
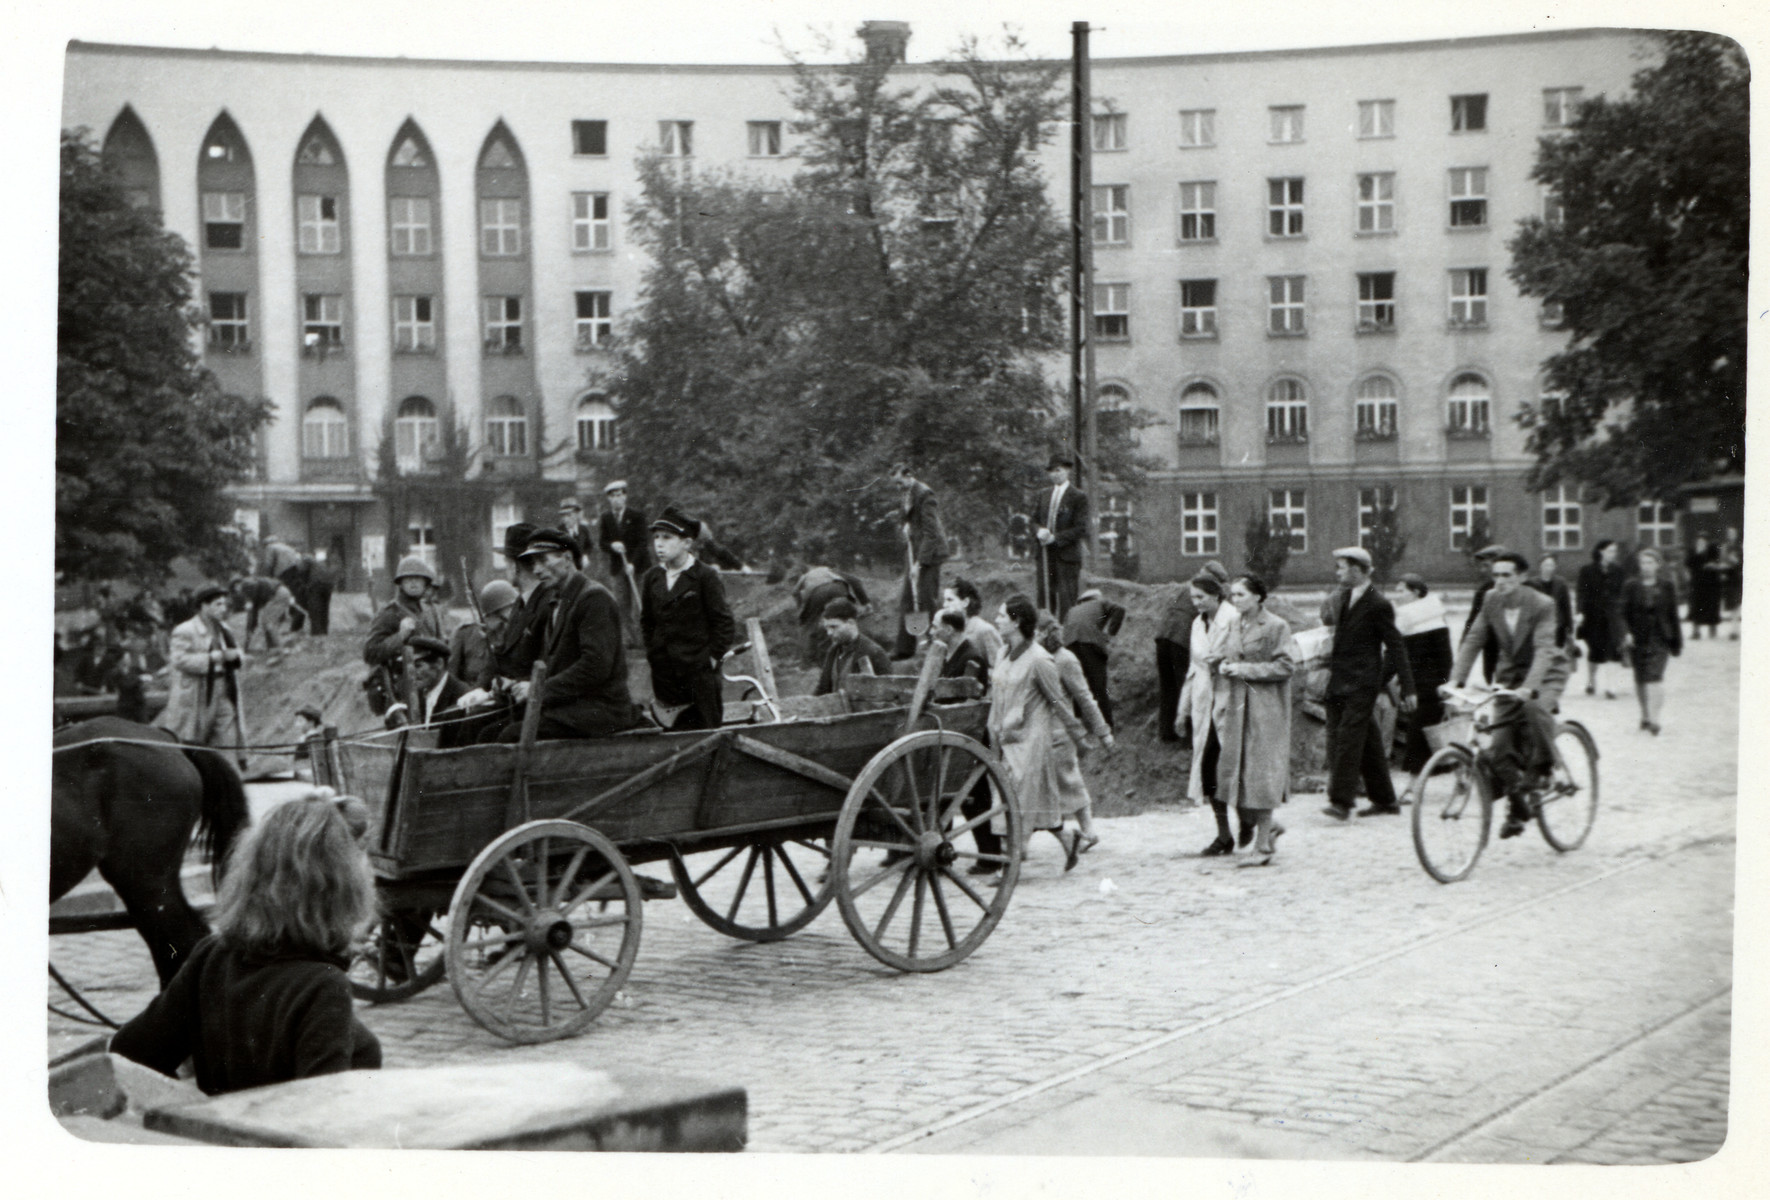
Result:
pixel 915 622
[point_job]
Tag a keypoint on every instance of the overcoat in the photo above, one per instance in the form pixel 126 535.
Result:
pixel 586 688
pixel 199 693
pixel 1029 708
pixel 629 529
pixel 921 519
pixel 1198 697
pixel 1253 712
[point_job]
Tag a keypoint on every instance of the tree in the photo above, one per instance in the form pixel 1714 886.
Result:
pixel 900 298
pixel 1648 268
pixel 1386 541
pixel 145 440
pixel 1268 549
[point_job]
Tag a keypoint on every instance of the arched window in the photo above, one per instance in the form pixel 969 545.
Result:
pixel 129 152
pixel 416 433
pixel 507 427
pixel 1198 415
pixel 1287 411
pixel 1111 397
pixel 325 433
pixel 1471 406
pixel 596 423
pixel 1114 414
pixel 1375 409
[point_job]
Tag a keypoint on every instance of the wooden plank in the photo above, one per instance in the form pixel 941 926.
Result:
pixel 764 664
pixel 894 691
pixel 645 778
pixel 518 810
pixel 712 786
pixel 787 760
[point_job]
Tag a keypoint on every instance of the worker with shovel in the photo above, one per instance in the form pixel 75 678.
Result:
pixel 925 548
pixel 623 534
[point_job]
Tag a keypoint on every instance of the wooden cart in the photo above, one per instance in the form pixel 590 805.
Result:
pixel 509 868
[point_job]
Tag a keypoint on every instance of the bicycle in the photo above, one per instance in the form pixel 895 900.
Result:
pixel 1453 804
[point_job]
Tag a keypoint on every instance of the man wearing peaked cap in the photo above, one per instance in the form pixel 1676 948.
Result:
pixel 686 622
pixel 1490 650
pixel 439 694
pixel 409 614
pixel 571 520
pixel 623 534
pixel 1367 650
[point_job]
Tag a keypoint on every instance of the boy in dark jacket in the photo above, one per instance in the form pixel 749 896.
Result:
pixel 687 625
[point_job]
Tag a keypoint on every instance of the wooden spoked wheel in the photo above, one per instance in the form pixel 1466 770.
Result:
pixel 762 891
pixel 904 850
pixel 402 954
pixel 543 931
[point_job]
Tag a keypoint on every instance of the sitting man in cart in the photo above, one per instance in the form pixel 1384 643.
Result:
pixel 439 696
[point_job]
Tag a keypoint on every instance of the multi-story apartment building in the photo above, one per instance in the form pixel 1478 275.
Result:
pixel 1300 264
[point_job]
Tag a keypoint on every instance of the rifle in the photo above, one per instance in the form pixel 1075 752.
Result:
pixel 472 596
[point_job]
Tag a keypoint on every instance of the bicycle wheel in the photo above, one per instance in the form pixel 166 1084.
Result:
pixel 1570 802
pixel 1453 809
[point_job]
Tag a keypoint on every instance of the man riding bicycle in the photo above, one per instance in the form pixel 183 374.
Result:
pixel 1522 620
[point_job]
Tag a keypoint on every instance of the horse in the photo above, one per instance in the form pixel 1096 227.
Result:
pixel 128 809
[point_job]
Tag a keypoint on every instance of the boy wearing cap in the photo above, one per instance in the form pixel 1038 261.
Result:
pixel 409 614
pixel 1060 522
pixel 686 622
pixel 1367 650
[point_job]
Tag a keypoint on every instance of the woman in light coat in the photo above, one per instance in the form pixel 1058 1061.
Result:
pixel 1065 751
pixel 1029 710
pixel 1254 662
pixel 1197 699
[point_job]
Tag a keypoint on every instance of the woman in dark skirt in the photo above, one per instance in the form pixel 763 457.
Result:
pixel 1424 632
pixel 1652 634
pixel 1705 567
pixel 1600 591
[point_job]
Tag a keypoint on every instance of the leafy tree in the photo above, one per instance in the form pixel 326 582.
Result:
pixel 1268 549
pixel 1648 266
pixel 145 440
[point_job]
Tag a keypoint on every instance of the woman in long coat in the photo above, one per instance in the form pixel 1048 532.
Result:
pixel 1600 591
pixel 1419 616
pixel 1253 712
pixel 1197 699
pixel 1705 567
pixel 1029 710
pixel 1649 613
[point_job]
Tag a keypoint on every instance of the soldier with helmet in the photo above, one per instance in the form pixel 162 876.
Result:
pixel 408 615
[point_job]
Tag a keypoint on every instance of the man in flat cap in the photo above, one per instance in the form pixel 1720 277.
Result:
pixel 1367 650
pixel 1490 650
pixel 1059 519
pixel 624 535
pixel 203 687
pixel 571 521
pixel 687 624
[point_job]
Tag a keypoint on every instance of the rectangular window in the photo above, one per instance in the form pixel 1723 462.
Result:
pixel 594 325
pixel 1284 304
pixel 317 217
pixel 500 228
pixel 228 329
pixel 590 226
pixel 1112 215
pixel 410 219
pixel 1287 413
pixel 1560 105
pixel 1198 127
pixel 1376 203
pixel 1198 211
pixel 1198 308
pixel 414 325
pixel 1198 420
pixel 1376 301
pixel 1376 118
pixel 325 433
pixel 1288 510
pixel 1468 114
pixel 1561 518
pixel 1551 315
pixel 1109 131
pixel 224 220
pixel 1468 197
pixel 765 139
pixel 1371 501
pixel 1284 207
pixel 503 324
pixel 1374 413
pixel 322 322
pixel 1656 524
pixel 1112 312
pixel 596 430
pixel 1471 412
pixel 1468 508
pixel 421 540
pixel 1468 296
pixel 1286 122
pixel 676 138
pixel 1198 523
pixel 590 138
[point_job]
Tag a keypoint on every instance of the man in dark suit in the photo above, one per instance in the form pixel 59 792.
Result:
pixel 571 521
pixel 925 549
pixel 439 696
pixel 1060 523
pixel 687 624
pixel 1367 650
pixel 621 532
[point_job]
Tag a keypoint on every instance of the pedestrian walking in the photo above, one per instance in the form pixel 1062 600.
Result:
pixel 1367 651
pixel 1425 635
pixel 1732 578
pixel 1252 712
pixel 1548 581
pixel 1059 518
pixel 1706 569
pixel 1651 632
pixel 686 623
pixel 323 578
pixel 1029 709
pixel 203 694
pixel 925 548
pixel 1088 631
pixel 1066 752
pixel 1599 591
pixel 1197 705
pixel 850 652
pixel 964 598
pixel 623 534
pixel 408 615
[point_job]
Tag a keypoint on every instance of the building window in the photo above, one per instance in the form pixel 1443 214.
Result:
pixel 1468 296
pixel 417 435
pixel 224 220
pixel 411 225
pixel 676 138
pixel 229 330
pixel 1198 127
pixel 1468 197
pixel 1198 308
pixel 1286 122
pixel 1112 215
pixel 1554 212
pixel 1287 412
pixel 1468 114
pixel 1561 518
pixel 414 325
pixel 594 325
pixel 503 321
pixel 1115 527
pixel 507 428
pixel 1376 118
pixel 1112 312
pixel 1371 502
pixel 318 220
pixel 504 515
pixel 590 138
pixel 1284 305
pixel 596 423
pixel 1376 203
pixel 421 539
pixel 1656 524
pixel 322 323
pixel 324 431
pixel 1198 211
pixel 1468 508
pixel 500 228
pixel 765 139
pixel 1109 131
pixel 590 227
pixel 1284 207
pixel 1471 406
pixel 1376 302
pixel 410 154
pixel 1198 416
pixel 1287 510
pixel 1560 106
pixel 1198 524
pixel 1375 411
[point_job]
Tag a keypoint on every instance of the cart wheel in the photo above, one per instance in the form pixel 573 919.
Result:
pixel 919 802
pixel 762 891
pixel 543 930
pixel 402 955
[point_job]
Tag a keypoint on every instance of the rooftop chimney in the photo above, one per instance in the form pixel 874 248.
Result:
pixel 887 41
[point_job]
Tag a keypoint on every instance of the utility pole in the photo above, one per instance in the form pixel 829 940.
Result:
pixel 1081 323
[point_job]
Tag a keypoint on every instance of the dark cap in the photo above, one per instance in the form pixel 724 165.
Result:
pixel 674 520
pixel 516 538
pixel 1491 552
pixel 840 609
pixel 1415 582
pixel 428 647
pixel 208 592
pixel 1061 459
pixel 549 541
